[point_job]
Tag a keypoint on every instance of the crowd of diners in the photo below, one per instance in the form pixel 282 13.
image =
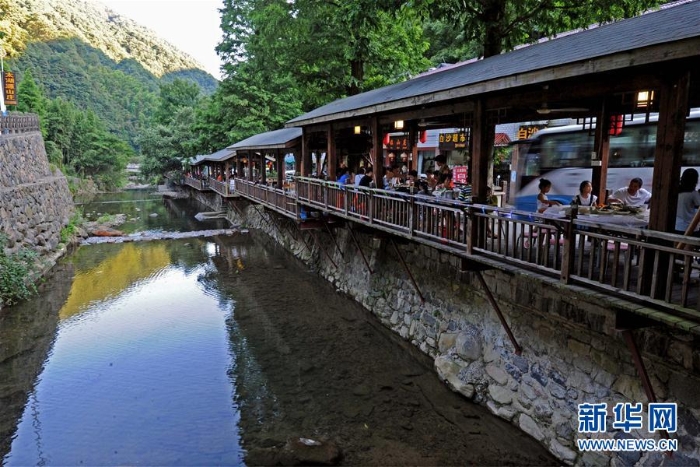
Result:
pixel 635 196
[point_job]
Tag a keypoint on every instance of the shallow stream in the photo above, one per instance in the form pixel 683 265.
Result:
pixel 217 351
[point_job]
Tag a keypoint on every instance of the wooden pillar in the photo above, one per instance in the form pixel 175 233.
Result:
pixel 331 158
pixel 305 168
pixel 670 132
pixel 377 150
pixel 413 132
pixel 263 168
pixel 239 166
pixel 279 157
pixel 482 139
pixel 249 158
pixel 602 148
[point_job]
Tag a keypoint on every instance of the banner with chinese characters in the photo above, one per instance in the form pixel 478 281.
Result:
pixel 398 143
pixel 9 88
pixel 453 140
pixel 526 132
pixel 459 174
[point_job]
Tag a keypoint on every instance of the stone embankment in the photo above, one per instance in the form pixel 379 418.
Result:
pixel 35 202
pixel 573 352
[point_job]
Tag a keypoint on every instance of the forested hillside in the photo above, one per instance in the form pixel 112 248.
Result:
pixel 94 78
pixel 88 55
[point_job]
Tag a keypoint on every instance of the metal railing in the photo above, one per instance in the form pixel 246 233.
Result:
pixel 639 264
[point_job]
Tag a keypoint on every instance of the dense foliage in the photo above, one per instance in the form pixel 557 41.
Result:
pixel 15 271
pixel 284 57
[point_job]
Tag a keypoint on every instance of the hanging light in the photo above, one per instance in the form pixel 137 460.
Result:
pixel 398 125
pixel 645 99
pixel 423 136
pixel 358 129
pixel 387 139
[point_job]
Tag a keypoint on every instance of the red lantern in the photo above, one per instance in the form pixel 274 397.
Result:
pixel 387 139
pixel 616 124
pixel 423 136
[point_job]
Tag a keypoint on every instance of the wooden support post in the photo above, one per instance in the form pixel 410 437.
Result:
pixel 377 150
pixel 482 139
pixel 670 134
pixel 601 146
pixel 331 158
pixel 305 154
pixel 279 158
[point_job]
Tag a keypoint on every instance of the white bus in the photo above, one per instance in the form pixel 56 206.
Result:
pixel 563 156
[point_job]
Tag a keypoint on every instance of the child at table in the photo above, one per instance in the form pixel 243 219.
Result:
pixel 543 202
pixel 585 197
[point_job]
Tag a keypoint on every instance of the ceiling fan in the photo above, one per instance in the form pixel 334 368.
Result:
pixel 423 123
pixel 546 110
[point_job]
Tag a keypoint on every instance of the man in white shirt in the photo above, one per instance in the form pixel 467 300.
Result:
pixel 633 195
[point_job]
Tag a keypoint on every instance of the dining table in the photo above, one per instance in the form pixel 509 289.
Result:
pixel 602 218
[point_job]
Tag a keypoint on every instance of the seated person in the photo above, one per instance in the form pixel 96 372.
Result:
pixel 585 197
pixel 688 202
pixel 633 195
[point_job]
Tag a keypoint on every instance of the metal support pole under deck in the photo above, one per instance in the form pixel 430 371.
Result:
pixel 313 234
pixel 330 232
pixel 362 253
pixel 405 266
pixel 489 296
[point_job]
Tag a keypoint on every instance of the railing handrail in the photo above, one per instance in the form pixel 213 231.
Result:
pixel 581 248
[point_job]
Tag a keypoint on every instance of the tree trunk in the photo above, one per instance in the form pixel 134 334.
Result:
pixel 493 17
pixel 357 71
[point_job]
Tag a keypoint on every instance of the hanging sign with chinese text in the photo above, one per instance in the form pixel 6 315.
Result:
pixel 9 88
pixel 453 140
pixel 398 143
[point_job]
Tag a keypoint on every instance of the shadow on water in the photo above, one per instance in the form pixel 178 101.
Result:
pixel 312 364
pixel 27 332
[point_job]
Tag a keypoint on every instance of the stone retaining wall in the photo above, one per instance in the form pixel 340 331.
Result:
pixel 572 353
pixel 35 202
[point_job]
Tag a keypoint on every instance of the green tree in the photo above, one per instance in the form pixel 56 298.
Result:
pixel 174 96
pixel 30 98
pixel 165 146
pixel 498 25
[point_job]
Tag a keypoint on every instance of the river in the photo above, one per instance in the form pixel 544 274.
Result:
pixel 219 351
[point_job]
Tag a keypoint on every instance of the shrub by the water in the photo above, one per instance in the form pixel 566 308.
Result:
pixel 15 270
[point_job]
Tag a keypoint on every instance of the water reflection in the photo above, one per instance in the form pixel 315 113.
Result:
pixel 138 374
pixel 26 335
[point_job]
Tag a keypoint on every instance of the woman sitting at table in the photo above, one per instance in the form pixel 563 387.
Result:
pixel 585 197
pixel 688 202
